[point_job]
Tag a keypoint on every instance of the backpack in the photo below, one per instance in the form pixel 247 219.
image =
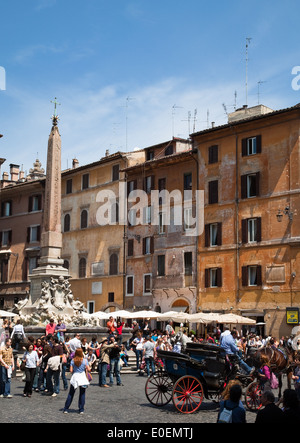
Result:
pixel 226 415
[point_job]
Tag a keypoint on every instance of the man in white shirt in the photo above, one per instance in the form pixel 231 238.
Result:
pixel 74 344
pixel 148 354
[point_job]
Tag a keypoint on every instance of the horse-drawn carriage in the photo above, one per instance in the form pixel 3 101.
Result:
pixel 203 371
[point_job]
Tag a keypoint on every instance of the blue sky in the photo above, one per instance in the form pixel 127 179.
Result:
pixel 93 55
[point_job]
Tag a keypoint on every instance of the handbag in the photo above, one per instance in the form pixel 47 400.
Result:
pixel 23 366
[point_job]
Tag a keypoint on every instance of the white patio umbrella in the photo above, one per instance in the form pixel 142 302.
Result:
pixel 145 314
pixel 204 318
pixel 236 319
pixel 122 314
pixel 7 314
pixel 179 317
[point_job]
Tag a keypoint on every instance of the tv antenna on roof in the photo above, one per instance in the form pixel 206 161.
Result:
pixel 248 41
pixel 174 107
pixel 258 91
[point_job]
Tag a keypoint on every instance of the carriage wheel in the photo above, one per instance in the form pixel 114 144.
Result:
pixel 159 389
pixel 253 396
pixel 188 394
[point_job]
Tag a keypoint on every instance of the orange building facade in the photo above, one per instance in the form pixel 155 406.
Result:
pixel 249 254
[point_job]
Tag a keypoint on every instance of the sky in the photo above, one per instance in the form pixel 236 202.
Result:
pixel 134 73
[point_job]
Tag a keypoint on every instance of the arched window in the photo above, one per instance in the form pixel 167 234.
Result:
pixel 113 264
pixel 67 223
pixel 82 267
pixel 84 219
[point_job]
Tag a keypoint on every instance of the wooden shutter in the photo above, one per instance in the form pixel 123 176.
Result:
pixel 130 247
pixel 219 235
pixel 39 202
pixel 207 236
pixel 244 186
pixel 151 245
pixel 245 230
pixel 257 184
pixel 258 144
pixel 30 203
pixel 219 277
pixel 38 233
pixel 258 227
pixel 245 276
pixel 213 192
pixel 259 276
pixel 144 245
pixel 207 279
pixel 28 235
pixel 244 147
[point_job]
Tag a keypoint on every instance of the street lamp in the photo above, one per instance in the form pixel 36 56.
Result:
pixel 287 211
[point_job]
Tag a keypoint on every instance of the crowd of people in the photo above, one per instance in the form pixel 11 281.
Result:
pixel 46 360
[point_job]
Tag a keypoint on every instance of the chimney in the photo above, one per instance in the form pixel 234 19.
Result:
pixel 75 163
pixel 14 172
pixel 107 153
pixel 22 175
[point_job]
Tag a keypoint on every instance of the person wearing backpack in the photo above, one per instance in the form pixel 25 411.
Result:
pixel 231 410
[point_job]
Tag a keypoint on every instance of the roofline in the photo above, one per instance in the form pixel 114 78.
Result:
pixel 246 120
pixel 166 159
pixel 103 160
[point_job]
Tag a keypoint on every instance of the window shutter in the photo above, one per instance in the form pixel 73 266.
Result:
pixel 28 235
pixel 245 276
pixel 39 202
pixel 258 225
pixel 219 235
pixel 130 247
pixel 244 186
pixel 219 277
pixel 213 192
pixel 207 282
pixel 207 236
pixel 30 202
pixel 245 230
pixel 9 237
pixel 259 276
pixel 151 245
pixel 144 245
pixel 257 184
pixel 38 233
pixel 258 144
pixel 244 147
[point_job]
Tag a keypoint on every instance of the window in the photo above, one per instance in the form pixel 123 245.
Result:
pixel 66 264
pixel 213 192
pixel 115 213
pixel 130 248
pixel 149 184
pixel 251 230
pixel 69 185
pixel 85 181
pixel 131 186
pixel 149 155
pixel 169 150
pixel 213 234
pixel 132 217
pixel 251 275
pixel 187 182
pixel 115 173
pixel 82 267
pixel 213 153
pixel 162 223
pixel 6 238
pixel 4 270
pixel 130 285
pixel 111 297
pixel 32 264
pixel 213 278
pixel 251 146
pixel 33 234
pixel 147 284
pixel 188 263
pixel 161 265
pixel 188 221
pixel 6 209
pixel 113 264
pixel 34 203
pixel 148 245
pixel 67 223
pixel 91 307
pixel 84 219
pixel 250 185
pixel 147 214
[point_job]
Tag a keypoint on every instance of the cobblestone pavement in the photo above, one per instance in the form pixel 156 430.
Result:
pixel 117 404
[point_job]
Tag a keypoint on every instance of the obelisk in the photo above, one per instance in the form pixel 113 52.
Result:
pixel 50 263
